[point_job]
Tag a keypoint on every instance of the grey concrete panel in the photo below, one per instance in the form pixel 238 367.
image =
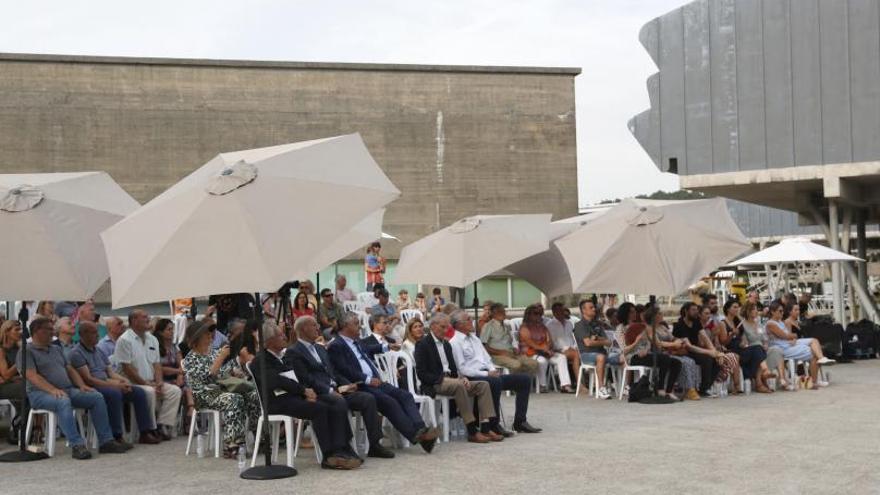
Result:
pixel 698 109
pixel 456 142
pixel 864 31
pixel 725 127
pixel 778 96
pixel 750 85
pixel 834 52
pixel 790 82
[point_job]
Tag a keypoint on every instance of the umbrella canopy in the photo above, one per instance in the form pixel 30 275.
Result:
pixel 795 250
pixel 53 221
pixel 472 248
pixel 547 270
pixel 366 231
pixel 246 221
pixel 651 247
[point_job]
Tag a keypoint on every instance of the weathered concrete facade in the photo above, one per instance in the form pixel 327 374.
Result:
pixel 456 140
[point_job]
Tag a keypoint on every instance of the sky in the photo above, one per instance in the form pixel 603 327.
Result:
pixel 600 36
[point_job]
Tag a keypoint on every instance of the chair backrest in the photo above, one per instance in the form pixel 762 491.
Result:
pixel 353 306
pixel 412 379
pixel 386 363
pixel 247 366
pixel 408 314
pixel 515 323
pixel 365 323
pixel 367 299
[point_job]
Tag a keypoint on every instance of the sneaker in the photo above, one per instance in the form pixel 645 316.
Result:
pixel 821 383
pixel 603 394
pixel 826 361
pixel 112 447
pixel 80 452
pixel 709 394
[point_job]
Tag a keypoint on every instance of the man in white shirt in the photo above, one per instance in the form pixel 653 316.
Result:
pixel 343 294
pixel 137 354
pixel 562 336
pixel 475 363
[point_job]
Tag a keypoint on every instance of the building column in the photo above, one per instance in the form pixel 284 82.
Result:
pixel 834 241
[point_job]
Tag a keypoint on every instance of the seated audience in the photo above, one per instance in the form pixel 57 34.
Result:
pixel 435 366
pixel 752 353
pixel 640 353
pixel 792 317
pixel 224 307
pixel 11 383
pixel 314 370
pixel 171 361
pixel 499 344
pixel 436 302
pixel 562 335
pixel 95 370
pixel 86 312
pixel 379 340
pixel 728 362
pixel 403 300
pixel 54 385
pixel 343 294
pixel 415 330
pixel 351 361
pixel 475 364
pixel 592 342
pixel 688 327
pixel 421 303
pixel 690 376
pixel 385 308
pixel 485 316
pixel 288 396
pixel 46 309
pixel 205 374
pixel 64 331
pixel 329 314
pixel 301 306
pixel 793 347
pixel 534 339
pixel 137 354
pixel 308 288
pixel 115 329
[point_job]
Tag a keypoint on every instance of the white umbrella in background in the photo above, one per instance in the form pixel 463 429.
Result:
pixel 547 270
pixel 472 248
pixel 794 250
pixel 52 223
pixel 651 247
pixel 247 221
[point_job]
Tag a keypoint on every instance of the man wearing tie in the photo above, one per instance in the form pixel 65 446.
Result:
pixel 314 369
pixel 351 362
pixel 288 396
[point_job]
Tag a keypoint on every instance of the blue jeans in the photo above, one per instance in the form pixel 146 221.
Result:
pixel 63 408
pixel 115 400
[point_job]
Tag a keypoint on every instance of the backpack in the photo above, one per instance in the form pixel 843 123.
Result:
pixel 861 340
pixel 640 390
pixel 828 333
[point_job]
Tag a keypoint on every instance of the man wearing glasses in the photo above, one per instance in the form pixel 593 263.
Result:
pixel 329 314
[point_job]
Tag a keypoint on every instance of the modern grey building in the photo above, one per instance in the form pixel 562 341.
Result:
pixel 772 102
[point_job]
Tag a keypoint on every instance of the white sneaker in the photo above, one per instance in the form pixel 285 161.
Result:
pixel 603 394
pixel 826 361
pixel 821 383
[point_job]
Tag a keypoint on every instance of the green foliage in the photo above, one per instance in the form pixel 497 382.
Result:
pixel 680 194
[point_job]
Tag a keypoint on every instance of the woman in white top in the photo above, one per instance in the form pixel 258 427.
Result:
pixel 415 330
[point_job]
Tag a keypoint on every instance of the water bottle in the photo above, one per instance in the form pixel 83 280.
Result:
pixel 200 445
pixel 242 459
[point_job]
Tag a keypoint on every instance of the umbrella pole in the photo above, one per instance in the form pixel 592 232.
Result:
pixel 269 471
pixel 654 398
pixel 476 305
pixel 22 454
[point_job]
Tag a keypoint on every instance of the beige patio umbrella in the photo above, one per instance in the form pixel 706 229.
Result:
pixel 247 221
pixel 651 247
pixel 52 223
pixel 547 270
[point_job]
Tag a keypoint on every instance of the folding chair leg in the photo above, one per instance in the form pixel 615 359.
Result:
pixel 288 437
pixel 257 440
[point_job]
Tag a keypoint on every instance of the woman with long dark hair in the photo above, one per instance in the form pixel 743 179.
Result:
pixel 640 352
pixel 793 347
pixel 170 358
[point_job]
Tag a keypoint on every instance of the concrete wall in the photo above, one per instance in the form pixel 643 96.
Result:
pixel 758 84
pixel 456 140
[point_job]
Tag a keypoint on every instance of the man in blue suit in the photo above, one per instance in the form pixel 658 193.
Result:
pixel 351 361
pixel 312 365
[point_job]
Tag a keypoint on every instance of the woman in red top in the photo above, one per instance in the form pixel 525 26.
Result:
pixel 534 339
pixel 301 306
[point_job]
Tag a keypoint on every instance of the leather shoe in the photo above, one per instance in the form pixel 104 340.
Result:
pixel 148 438
pixel 428 445
pixel 478 438
pixel 380 452
pixel 426 434
pixel 339 462
pixel 504 433
pixel 495 437
pixel 525 427
pixel 112 447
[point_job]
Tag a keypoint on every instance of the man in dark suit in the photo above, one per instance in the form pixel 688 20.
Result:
pixel 435 366
pixel 313 367
pixel 379 341
pixel 288 396
pixel 351 361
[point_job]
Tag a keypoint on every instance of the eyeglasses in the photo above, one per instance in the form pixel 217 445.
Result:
pixel 328 295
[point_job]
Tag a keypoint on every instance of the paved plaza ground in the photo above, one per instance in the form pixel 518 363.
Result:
pixel 788 443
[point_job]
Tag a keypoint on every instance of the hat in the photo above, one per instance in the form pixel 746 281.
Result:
pixel 198 328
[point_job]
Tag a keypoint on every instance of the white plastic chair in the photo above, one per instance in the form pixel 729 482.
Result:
pixel 275 422
pixel 353 306
pixel 367 299
pixel 408 314
pixel 213 429
pixel 49 427
pixel 590 371
pixel 426 404
pixel 365 323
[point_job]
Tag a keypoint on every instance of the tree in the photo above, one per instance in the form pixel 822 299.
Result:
pixel 680 194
